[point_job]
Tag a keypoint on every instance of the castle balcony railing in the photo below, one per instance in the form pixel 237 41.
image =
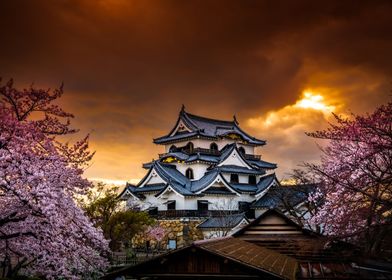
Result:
pixel 193 151
pixel 205 152
pixel 192 213
pixel 252 157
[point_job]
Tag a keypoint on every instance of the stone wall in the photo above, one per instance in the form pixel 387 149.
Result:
pixel 184 232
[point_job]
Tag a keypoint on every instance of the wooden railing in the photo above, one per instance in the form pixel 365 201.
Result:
pixel 206 152
pixel 252 157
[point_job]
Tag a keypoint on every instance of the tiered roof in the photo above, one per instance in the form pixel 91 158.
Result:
pixel 201 127
pixel 186 187
pixel 215 159
pixel 219 161
pixel 290 195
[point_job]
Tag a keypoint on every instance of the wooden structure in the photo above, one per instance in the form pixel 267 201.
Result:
pixel 270 247
pixel 317 257
pixel 229 258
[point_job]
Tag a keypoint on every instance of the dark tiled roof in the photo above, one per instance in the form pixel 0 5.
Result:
pixel 250 254
pixel 204 181
pixel 150 188
pixel 240 170
pixel 244 187
pixel 229 221
pixel 218 190
pixel 261 261
pixel 210 128
pixel 184 186
pixel 263 164
pixel 265 182
pixel 276 195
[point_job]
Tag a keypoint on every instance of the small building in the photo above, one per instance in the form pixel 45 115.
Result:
pixel 270 247
pixel 224 258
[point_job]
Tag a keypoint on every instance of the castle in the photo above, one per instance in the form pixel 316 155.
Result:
pixel 210 172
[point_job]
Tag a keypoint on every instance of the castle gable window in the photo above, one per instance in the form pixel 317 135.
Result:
pixel 172 149
pixel 241 150
pixel 234 178
pixel 214 147
pixel 171 205
pixel 202 206
pixel 189 174
pixel 189 147
pixel 252 180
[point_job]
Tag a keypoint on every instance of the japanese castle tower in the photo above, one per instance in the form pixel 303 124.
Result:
pixel 209 165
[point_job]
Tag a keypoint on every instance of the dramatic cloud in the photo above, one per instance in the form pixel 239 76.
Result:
pixel 129 65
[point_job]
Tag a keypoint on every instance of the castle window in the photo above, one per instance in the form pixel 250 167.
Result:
pixel 172 148
pixel 242 150
pixel 234 178
pixel 202 206
pixel 214 147
pixel 189 147
pixel 171 205
pixel 252 180
pixel 243 206
pixel 189 173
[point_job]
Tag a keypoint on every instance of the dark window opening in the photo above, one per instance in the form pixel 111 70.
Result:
pixel 252 179
pixel 214 147
pixel 242 150
pixel 171 205
pixel 243 206
pixel 202 206
pixel 153 211
pixel 234 178
pixel 173 148
pixel 189 147
pixel 189 173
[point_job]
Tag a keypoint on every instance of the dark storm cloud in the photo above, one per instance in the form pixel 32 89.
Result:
pixel 129 65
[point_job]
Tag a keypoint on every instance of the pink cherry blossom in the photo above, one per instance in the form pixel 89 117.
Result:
pixel 355 177
pixel 42 231
pixel 156 232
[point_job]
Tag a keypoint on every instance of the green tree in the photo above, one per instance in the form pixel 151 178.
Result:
pixel 107 212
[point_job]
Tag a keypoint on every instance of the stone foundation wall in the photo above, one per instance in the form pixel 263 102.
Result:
pixel 184 232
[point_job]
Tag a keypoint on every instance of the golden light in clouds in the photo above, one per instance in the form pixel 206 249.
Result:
pixel 284 128
pixel 310 103
pixel 315 101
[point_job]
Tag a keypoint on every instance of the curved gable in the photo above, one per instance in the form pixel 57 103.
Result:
pixel 219 182
pixel 235 158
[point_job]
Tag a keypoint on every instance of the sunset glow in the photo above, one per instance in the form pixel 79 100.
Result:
pixel 128 66
pixel 315 101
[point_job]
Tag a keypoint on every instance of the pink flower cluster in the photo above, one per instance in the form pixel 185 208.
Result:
pixel 40 225
pixel 356 174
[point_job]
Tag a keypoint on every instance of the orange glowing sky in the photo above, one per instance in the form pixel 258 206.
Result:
pixel 281 66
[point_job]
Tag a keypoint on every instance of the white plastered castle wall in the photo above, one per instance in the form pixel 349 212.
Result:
pixel 199 169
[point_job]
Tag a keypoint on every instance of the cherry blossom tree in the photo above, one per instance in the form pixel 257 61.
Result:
pixel 355 178
pixel 42 231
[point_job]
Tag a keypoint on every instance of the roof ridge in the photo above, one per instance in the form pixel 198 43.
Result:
pixel 209 119
pixel 212 240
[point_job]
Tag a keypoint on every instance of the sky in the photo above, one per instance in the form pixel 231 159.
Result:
pixel 282 67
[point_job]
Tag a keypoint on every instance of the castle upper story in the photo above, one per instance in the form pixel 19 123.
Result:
pixel 204 160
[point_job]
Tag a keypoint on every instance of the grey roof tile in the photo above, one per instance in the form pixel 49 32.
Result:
pixel 208 128
pixel 225 221
pixel 291 194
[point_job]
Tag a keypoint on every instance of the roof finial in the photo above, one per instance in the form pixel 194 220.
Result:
pixel 183 108
pixel 235 119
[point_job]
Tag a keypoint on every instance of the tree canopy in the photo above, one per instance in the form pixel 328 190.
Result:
pixel 42 231
pixel 107 212
pixel 355 178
